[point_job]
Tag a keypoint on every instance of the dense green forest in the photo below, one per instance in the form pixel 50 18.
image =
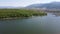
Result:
pixel 6 13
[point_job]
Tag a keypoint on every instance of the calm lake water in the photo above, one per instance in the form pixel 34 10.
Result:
pixel 49 24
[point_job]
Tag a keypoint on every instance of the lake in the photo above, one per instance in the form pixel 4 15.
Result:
pixel 49 24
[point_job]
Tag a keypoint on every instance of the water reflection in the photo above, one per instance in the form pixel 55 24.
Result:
pixel 49 24
pixel 56 14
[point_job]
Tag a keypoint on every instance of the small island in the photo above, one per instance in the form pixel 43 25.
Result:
pixel 12 13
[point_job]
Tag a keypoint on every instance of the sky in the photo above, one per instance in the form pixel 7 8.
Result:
pixel 23 3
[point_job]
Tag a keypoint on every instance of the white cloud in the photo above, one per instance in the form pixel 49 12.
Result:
pixel 19 3
pixel 22 2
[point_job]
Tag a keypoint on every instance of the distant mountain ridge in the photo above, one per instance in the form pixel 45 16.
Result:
pixel 9 7
pixel 6 7
pixel 52 5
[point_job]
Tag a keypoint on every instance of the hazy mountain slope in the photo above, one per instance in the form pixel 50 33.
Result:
pixel 54 5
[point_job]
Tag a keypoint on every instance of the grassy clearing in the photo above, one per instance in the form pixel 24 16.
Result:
pixel 7 13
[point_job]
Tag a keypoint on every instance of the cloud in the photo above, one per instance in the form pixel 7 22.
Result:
pixel 22 2
pixel 18 2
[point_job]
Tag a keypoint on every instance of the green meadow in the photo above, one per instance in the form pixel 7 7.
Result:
pixel 9 13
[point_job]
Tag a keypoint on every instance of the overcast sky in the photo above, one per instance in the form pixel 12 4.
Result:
pixel 23 2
